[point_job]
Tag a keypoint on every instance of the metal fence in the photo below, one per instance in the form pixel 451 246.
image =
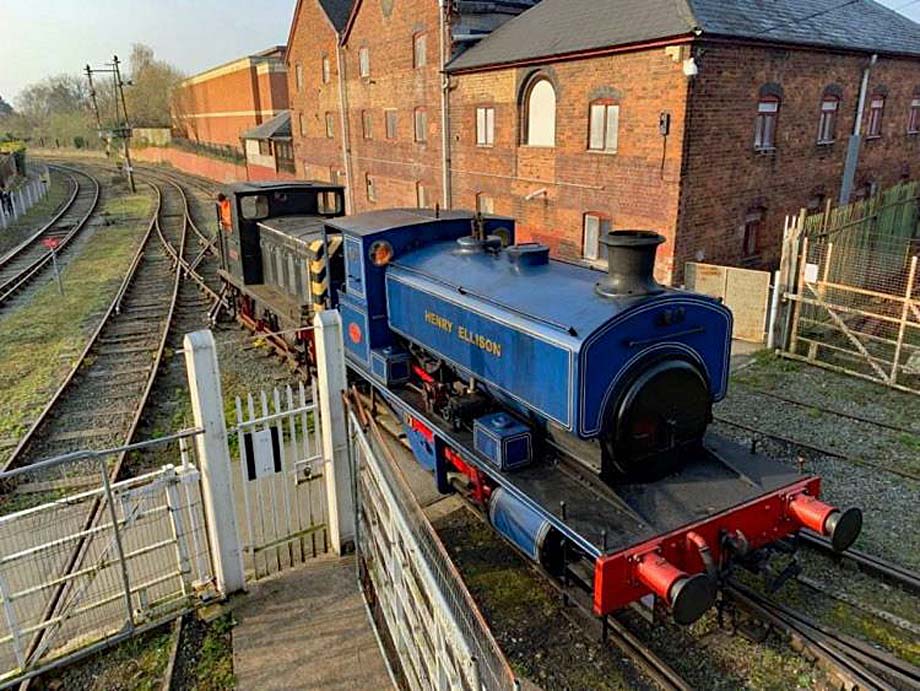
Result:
pixel 24 198
pixel 280 480
pixel 433 625
pixel 85 562
pixel 854 288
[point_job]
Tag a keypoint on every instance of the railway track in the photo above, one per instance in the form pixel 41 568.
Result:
pixel 853 662
pixel 24 263
pixel 99 403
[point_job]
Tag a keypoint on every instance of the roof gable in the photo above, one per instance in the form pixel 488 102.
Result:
pixel 336 11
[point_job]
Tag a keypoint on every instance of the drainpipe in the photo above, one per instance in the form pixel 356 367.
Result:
pixel 849 169
pixel 445 102
pixel 346 133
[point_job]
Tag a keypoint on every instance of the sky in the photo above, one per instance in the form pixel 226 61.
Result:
pixel 39 38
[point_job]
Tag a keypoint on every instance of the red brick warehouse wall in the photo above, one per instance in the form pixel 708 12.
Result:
pixel 637 186
pixel 397 166
pixel 216 106
pixel 313 38
pixel 725 178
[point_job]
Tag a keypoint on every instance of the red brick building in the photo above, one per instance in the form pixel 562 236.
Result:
pixel 214 107
pixel 707 120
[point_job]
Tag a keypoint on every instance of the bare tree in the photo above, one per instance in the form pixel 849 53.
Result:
pixel 152 84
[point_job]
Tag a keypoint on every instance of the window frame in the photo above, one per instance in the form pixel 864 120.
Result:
pixel 421 195
pixel 763 117
pixel 419 57
pixel 367 125
pixel 301 124
pixel 485 126
pixel 298 77
pixel 370 188
pixel 420 132
pixel 913 115
pixel 364 62
pixel 526 125
pixel 330 124
pixel 827 119
pixel 607 104
pixel 481 197
pixel 876 116
pixel 749 222
pixel 604 225
pixel 391 134
pixel 326 69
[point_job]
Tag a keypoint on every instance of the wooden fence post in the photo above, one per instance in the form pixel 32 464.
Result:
pixel 908 296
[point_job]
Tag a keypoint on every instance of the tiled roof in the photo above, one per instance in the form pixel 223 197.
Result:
pixel 561 27
pixel 337 11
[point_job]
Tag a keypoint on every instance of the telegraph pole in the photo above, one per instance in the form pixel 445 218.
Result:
pixel 123 128
pixel 126 126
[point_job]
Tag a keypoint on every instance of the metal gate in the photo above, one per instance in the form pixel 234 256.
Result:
pixel 86 562
pixel 415 593
pixel 279 483
pixel 853 301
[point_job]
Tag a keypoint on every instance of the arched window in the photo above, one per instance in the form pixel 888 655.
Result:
pixel 767 115
pixel 827 123
pixel 540 114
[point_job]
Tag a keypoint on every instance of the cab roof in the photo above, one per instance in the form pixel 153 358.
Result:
pixel 272 185
pixel 374 222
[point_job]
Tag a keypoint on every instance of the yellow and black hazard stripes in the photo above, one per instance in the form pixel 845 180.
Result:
pixel 319 269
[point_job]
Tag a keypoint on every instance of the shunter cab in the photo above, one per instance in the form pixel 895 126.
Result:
pixel 275 253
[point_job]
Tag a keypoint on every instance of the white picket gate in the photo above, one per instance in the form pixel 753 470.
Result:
pixel 279 484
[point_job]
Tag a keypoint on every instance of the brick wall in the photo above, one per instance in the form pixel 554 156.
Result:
pixel 725 178
pixel 636 187
pixel 215 107
pixel 317 156
pixel 213 169
pixel 399 165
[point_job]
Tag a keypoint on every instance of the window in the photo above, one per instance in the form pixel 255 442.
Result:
pixel 366 124
pixel 765 131
pixel 753 230
pixel 827 124
pixel 364 62
pixel 485 204
pixel 419 51
pixel 485 126
pixel 371 190
pixel 254 207
pixel 421 125
pixel 330 125
pixel 540 114
pixel 604 125
pixel 595 228
pixel 298 74
pixel 390 117
pixel 327 72
pixel 913 122
pixel 265 147
pixel 329 203
pixel 303 126
pixel 876 111
pixel 421 196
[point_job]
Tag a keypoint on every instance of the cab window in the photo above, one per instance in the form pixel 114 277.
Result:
pixel 254 207
pixel 330 203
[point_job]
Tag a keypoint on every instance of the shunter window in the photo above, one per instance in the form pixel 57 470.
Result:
pixel 254 207
pixel 329 203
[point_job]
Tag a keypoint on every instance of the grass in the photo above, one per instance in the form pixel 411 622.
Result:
pixel 215 666
pixel 137 664
pixel 36 216
pixel 41 339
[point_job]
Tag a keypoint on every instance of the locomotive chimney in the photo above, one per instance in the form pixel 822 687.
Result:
pixel 630 263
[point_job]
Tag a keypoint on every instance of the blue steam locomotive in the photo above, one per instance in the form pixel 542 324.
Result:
pixel 573 406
